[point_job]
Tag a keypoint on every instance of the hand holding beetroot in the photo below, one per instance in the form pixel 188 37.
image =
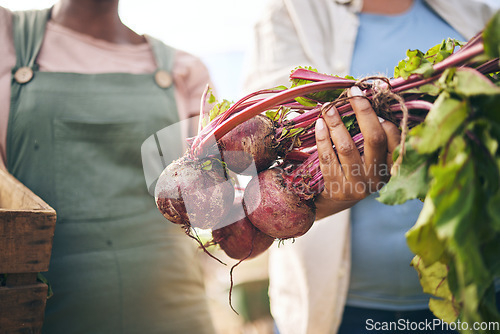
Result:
pixel 327 150
pixel 349 175
pixel 303 174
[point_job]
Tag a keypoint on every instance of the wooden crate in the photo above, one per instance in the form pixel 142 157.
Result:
pixel 26 231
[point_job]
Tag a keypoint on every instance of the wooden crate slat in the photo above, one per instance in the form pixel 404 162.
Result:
pixel 22 308
pixel 27 227
pixel 16 196
pixel 25 241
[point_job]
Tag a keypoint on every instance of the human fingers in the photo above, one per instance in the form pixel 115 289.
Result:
pixel 347 152
pixel 374 136
pixel 354 185
pixel 328 161
pixel 393 135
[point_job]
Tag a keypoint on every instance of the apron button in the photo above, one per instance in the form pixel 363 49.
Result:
pixel 23 75
pixel 163 79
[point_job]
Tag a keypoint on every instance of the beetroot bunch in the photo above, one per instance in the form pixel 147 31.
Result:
pixel 269 135
pixel 446 102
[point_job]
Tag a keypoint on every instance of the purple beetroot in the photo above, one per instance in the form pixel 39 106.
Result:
pixel 195 193
pixel 238 238
pixel 275 208
pixel 250 142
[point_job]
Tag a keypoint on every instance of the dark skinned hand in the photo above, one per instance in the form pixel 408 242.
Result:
pixel 350 176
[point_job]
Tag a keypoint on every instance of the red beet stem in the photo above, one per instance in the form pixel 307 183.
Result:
pixel 259 107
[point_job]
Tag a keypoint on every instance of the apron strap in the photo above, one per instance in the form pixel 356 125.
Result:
pixel 164 54
pixel 28 29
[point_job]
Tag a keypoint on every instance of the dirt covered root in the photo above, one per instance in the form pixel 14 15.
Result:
pixel 252 142
pixel 195 193
pixel 238 238
pixel 274 208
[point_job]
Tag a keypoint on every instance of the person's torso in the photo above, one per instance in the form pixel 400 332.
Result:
pixel 75 139
pixel 381 275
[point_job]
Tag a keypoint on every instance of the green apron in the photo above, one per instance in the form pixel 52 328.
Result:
pixel 75 139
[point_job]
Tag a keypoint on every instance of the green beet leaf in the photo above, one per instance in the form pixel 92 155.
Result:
pixel 410 181
pixel 416 62
pixel 430 89
pixel 491 249
pixel 433 279
pixel 456 194
pixel 494 211
pixel 484 136
pixel 469 82
pixel 422 238
pixel 491 36
pixel 443 120
pixel 442 51
pixel 488 106
pixel 452 189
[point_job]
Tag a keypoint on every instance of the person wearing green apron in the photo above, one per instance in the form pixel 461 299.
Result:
pixel 75 139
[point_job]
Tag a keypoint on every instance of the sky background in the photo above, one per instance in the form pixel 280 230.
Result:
pixel 217 31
